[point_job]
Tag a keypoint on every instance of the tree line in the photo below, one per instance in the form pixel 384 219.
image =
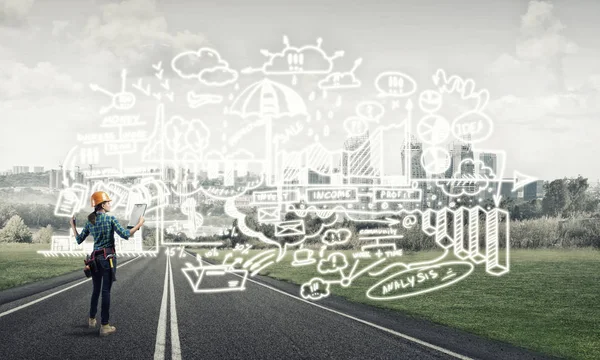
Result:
pixel 566 198
pixel 563 198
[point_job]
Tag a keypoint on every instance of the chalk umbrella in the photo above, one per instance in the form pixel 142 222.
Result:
pixel 268 100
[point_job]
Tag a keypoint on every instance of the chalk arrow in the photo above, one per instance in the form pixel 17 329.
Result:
pixel 387 221
pixel 497 199
pixel 521 180
pixel 392 222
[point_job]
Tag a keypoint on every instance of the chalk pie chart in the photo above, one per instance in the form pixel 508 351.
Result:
pixel 435 160
pixel 433 129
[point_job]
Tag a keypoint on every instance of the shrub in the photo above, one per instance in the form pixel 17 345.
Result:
pixel 534 233
pixel 580 232
pixel 15 230
pixel 43 235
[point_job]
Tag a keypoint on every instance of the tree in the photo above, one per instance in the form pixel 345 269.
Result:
pixel 15 230
pixel 6 212
pixel 531 210
pixel 557 198
pixel 43 235
pixel 593 199
pixel 578 195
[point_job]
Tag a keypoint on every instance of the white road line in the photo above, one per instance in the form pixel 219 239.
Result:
pixel 393 332
pixel 55 293
pixel 161 331
pixel 175 345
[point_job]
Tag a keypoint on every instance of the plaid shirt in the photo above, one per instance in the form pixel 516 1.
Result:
pixel 103 231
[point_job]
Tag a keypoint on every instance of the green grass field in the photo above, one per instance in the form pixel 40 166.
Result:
pixel 548 302
pixel 21 264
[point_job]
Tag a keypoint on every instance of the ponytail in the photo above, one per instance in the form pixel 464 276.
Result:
pixel 92 216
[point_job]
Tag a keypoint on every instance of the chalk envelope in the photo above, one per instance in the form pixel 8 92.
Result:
pixel 211 279
pixel 268 214
pixel 289 228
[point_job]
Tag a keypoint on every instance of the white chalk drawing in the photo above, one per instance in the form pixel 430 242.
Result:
pixel 205 65
pixel 198 100
pixel 214 278
pixel 370 110
pixel 340 193
pixel 336 237
pixel 419 281
pixel 395 84
pixel 464 87
pixel 435 160
pixel 335 262
pixel 433 129
pixel 307 59
pixel 315 289
pixel 341 80
pixel 122 100
pixel 430 101
pixel 303 257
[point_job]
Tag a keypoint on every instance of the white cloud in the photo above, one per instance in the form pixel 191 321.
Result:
pixel 536 67
pixel 19 80
pixel 58 27
pixel 559 111
pixel 530 82
pixel 49 123
pixel 133 34
pixel 14 12
pixel 541 34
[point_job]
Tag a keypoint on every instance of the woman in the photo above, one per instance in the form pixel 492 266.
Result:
pixel 103 228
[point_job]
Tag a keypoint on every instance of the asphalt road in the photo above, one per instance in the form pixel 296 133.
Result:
pixel 158 316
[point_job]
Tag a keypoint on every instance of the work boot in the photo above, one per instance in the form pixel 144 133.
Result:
pixel 106 330
pixel 92 322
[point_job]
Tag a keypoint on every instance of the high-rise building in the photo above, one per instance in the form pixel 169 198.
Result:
pixel 356 160
pixel 316 178
pixel 20 169
pixel 38 169
pixel 506 190
pixel 459 168
pixel 489 164
pixel 534 190
pixel 459 152
pixel 56 178
pixel 488 168
pixel 417 171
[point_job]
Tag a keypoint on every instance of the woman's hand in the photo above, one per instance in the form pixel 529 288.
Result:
pixel 137 226
pixel 72 222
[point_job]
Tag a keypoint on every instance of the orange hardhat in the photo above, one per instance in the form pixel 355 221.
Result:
pixel 99 197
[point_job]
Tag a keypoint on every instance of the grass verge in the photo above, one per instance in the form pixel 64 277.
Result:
pixel 20 264
pixel 548 302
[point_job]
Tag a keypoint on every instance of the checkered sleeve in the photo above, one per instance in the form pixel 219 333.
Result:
pixel 84 233
pixel 123 233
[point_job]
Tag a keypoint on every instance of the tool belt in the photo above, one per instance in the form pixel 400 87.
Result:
pixel 104 251
pixel 91 264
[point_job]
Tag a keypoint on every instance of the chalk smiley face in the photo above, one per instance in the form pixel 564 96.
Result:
pixel 430 101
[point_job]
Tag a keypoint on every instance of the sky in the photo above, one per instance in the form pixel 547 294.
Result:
pixel 538 59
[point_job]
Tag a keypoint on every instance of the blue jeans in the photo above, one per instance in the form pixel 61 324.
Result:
pixel 102 279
